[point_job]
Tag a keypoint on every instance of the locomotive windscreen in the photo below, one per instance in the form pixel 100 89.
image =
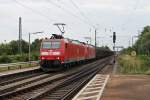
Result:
pixel 51 45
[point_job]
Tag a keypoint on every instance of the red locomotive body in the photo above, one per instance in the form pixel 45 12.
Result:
pixel 58 53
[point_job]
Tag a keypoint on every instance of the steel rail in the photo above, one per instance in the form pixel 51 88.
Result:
pixel 83 76
pixel 10 87
pixel 37 84
pixel 19 78
pixel 10 77
pixel 27 91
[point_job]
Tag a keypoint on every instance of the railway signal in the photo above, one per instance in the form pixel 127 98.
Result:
pixel 114 41
pixel 114 37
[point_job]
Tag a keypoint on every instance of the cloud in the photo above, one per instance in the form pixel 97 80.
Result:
pixel 106 13
pixel 145 9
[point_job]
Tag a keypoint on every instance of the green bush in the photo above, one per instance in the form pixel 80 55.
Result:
pixel 5 59
pixel 134 65
pixel 145 61
pixel 35 56
pixel 18 58
pixel 25 57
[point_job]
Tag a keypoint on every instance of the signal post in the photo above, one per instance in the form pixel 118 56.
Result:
pixel 114 42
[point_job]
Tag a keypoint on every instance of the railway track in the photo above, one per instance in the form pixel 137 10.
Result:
pixel 47 86
pixel 11 78
pixel 67 89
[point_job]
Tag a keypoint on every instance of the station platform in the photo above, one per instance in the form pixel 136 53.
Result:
pixel 96 86
pixel 94 89
pixel 109 85
pixel 116 87
pixel 127 87
pixel 17 71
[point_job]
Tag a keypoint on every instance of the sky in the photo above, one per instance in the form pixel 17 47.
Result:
pixel 125 17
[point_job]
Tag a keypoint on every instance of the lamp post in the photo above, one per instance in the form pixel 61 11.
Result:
pixel 30 45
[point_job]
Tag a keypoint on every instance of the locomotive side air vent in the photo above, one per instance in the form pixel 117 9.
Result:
pixel 56 36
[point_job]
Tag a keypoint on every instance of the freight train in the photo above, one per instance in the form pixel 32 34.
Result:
pixel 58 52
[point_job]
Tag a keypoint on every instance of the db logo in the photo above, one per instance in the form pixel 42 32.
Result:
pixel 50 52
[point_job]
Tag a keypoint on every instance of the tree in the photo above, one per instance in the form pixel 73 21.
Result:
pixel 25 46
pixel 142 45
pixel 5 49
pixel 35 46
pixel 14 47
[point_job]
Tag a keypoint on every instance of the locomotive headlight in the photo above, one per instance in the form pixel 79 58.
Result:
pixel 42 58
pixel 44 53
pixel 58 58
pixel 56 53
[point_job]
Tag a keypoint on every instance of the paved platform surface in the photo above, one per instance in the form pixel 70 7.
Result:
pixel 122 87
pixel 127 87
pixel 17 71
pixel 94 89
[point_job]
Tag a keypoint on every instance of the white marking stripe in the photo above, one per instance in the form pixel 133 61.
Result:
pixel 90 92
pixel 100 93
pixel 92 89
pixel 95 94
pixel 84 98
pixel 75 98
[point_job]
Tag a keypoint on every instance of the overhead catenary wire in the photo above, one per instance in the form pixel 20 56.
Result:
pixel 68 12
pixel 32 10
pixel 75 7
pixel 47 17
pixel 65 10
pixel 80 12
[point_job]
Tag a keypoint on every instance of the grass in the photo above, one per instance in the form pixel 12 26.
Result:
pixel 134 65
pixel 2 69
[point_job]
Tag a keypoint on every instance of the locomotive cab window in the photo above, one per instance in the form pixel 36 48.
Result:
pixel 55 45
pixel 51 45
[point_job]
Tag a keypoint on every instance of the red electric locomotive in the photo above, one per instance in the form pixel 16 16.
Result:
pixel 58 52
